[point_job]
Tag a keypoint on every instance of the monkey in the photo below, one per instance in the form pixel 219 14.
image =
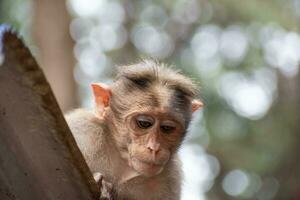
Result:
pixel 131 138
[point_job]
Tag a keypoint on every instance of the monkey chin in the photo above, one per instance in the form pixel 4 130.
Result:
pixel 145 168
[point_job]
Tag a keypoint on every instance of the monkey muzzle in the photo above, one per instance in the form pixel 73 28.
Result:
pixel 146 168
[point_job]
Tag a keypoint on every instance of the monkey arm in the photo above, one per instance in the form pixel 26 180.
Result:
pixel 88 133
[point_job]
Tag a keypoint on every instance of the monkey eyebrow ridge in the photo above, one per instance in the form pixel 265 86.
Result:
pixel 140 81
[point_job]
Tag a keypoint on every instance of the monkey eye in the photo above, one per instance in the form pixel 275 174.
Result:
pixel 168 127
pixel 144 121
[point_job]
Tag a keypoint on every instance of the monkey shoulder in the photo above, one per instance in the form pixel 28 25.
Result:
pixel 82 121
pixel 89 133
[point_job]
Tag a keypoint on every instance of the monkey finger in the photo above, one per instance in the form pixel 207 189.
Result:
pixel 98 178
pixel 107 192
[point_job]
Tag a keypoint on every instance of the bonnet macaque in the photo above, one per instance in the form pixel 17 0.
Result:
pixel 131 138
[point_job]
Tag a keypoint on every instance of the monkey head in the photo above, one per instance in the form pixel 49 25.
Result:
pixel 147 109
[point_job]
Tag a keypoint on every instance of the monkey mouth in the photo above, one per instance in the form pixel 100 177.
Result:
pixel 146 168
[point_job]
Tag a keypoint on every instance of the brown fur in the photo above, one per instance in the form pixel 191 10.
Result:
pixel 109 144
pixel 102 156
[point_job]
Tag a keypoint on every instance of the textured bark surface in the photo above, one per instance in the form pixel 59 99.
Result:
pixel 39 159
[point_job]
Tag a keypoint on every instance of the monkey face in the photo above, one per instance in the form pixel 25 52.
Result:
pixel 148 108
pixel 154 136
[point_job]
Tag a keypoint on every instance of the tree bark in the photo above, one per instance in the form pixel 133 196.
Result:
pixel 39 158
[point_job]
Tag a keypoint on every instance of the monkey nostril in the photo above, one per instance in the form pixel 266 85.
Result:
pixel 155 150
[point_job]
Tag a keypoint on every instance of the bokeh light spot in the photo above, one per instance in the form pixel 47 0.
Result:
pixel 235 182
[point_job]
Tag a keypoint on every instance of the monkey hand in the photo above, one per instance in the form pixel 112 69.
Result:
pixel 106 189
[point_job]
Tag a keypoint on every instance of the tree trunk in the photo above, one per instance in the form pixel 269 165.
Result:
pixel 39 158
pixel 55 48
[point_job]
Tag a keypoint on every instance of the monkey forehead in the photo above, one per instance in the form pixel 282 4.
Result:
pixel 156 72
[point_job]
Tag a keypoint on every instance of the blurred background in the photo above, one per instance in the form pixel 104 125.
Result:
pixel 245 55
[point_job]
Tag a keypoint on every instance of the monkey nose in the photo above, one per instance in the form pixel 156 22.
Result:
pixel 154 149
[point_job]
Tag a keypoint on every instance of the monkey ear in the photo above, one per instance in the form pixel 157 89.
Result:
pixel 102 95
pixel 196 104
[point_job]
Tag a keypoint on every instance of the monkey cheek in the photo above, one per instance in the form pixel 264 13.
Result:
pixel 146 169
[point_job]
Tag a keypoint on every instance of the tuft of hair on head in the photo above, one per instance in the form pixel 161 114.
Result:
pixel 152 71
